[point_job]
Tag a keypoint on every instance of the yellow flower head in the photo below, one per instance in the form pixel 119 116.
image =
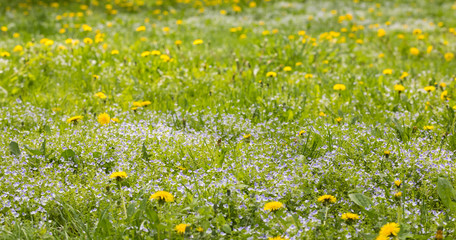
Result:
pixel 271 74
pixel 308 75
pixel 399 88
pixel 381 32
pixel 444 95
pixel 414 51
pixel 390 229
pixel 339 87
pixel 199 229
pixel 398 195
pixel 428 127
pixel 381 237
pixel 118 175
pixel 322 114
pixel 388 71
pixel 141 29
pixel 327 199
pixel 145 103
pixel 74 119
pixel 162 196
pixel 277 238
pixel 449 56
pixel 100 95
pixel 103 118
pixel 5 54
pixel 155 52
pixel 350 216
pixel 429 88
pixel 301 132
pixel 404 75
pixel 198 42
pixel 247 136
pixel 398 183
pixel 178 42
pixel 273 206
pixel 181 228
pixel 287 69
pixel 114 52
pixel 18 48
pixel 339 119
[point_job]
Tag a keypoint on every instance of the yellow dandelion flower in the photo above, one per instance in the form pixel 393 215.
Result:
pixel 350 216
pixel 145 54
pixel 301 132
pixel 273 206
pixel 88 41
pixel 429 89
pixel 381 237
pixel 322 114
pixel 381 32
pixel 178 42
pixel 277 238
pixel 398 195
pixel 100 95
pixel 181 228
pixel 429 127
pixel 397 183
pixel 444 95
pixel 339 87
pixel 449 56
pixel 287 69
pixel 104 118
pixel 118 175
pixel 162 196
pixel 86 28
pixel 155 52
pixel 114 52
pixel 414 51
pixel 198 42
pixel 389 229
pixel 327 199
pixel 141 29
pixel 145 103
pixel 388 71
pixel 116 120
pixel 247 136
pixel 271 74
pixel 404 75
pixel 308 75
pixel 74 119
pixel 399 88
pixel 199 229
pixel 18 48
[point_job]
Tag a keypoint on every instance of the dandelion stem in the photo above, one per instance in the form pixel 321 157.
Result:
pixel 326 215
pixel 123 200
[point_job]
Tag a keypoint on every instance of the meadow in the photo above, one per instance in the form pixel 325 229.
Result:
pixel 227 119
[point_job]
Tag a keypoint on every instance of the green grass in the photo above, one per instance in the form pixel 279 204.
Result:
pixel 192 139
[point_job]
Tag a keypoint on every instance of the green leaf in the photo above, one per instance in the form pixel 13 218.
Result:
pixel 68 154
pixel 226 228
pixel 361 200
pixel 14 148
pixel 446 193
pixel 97 155
pixel 145 156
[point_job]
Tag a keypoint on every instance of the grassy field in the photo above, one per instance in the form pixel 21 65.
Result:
pixel 227 119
